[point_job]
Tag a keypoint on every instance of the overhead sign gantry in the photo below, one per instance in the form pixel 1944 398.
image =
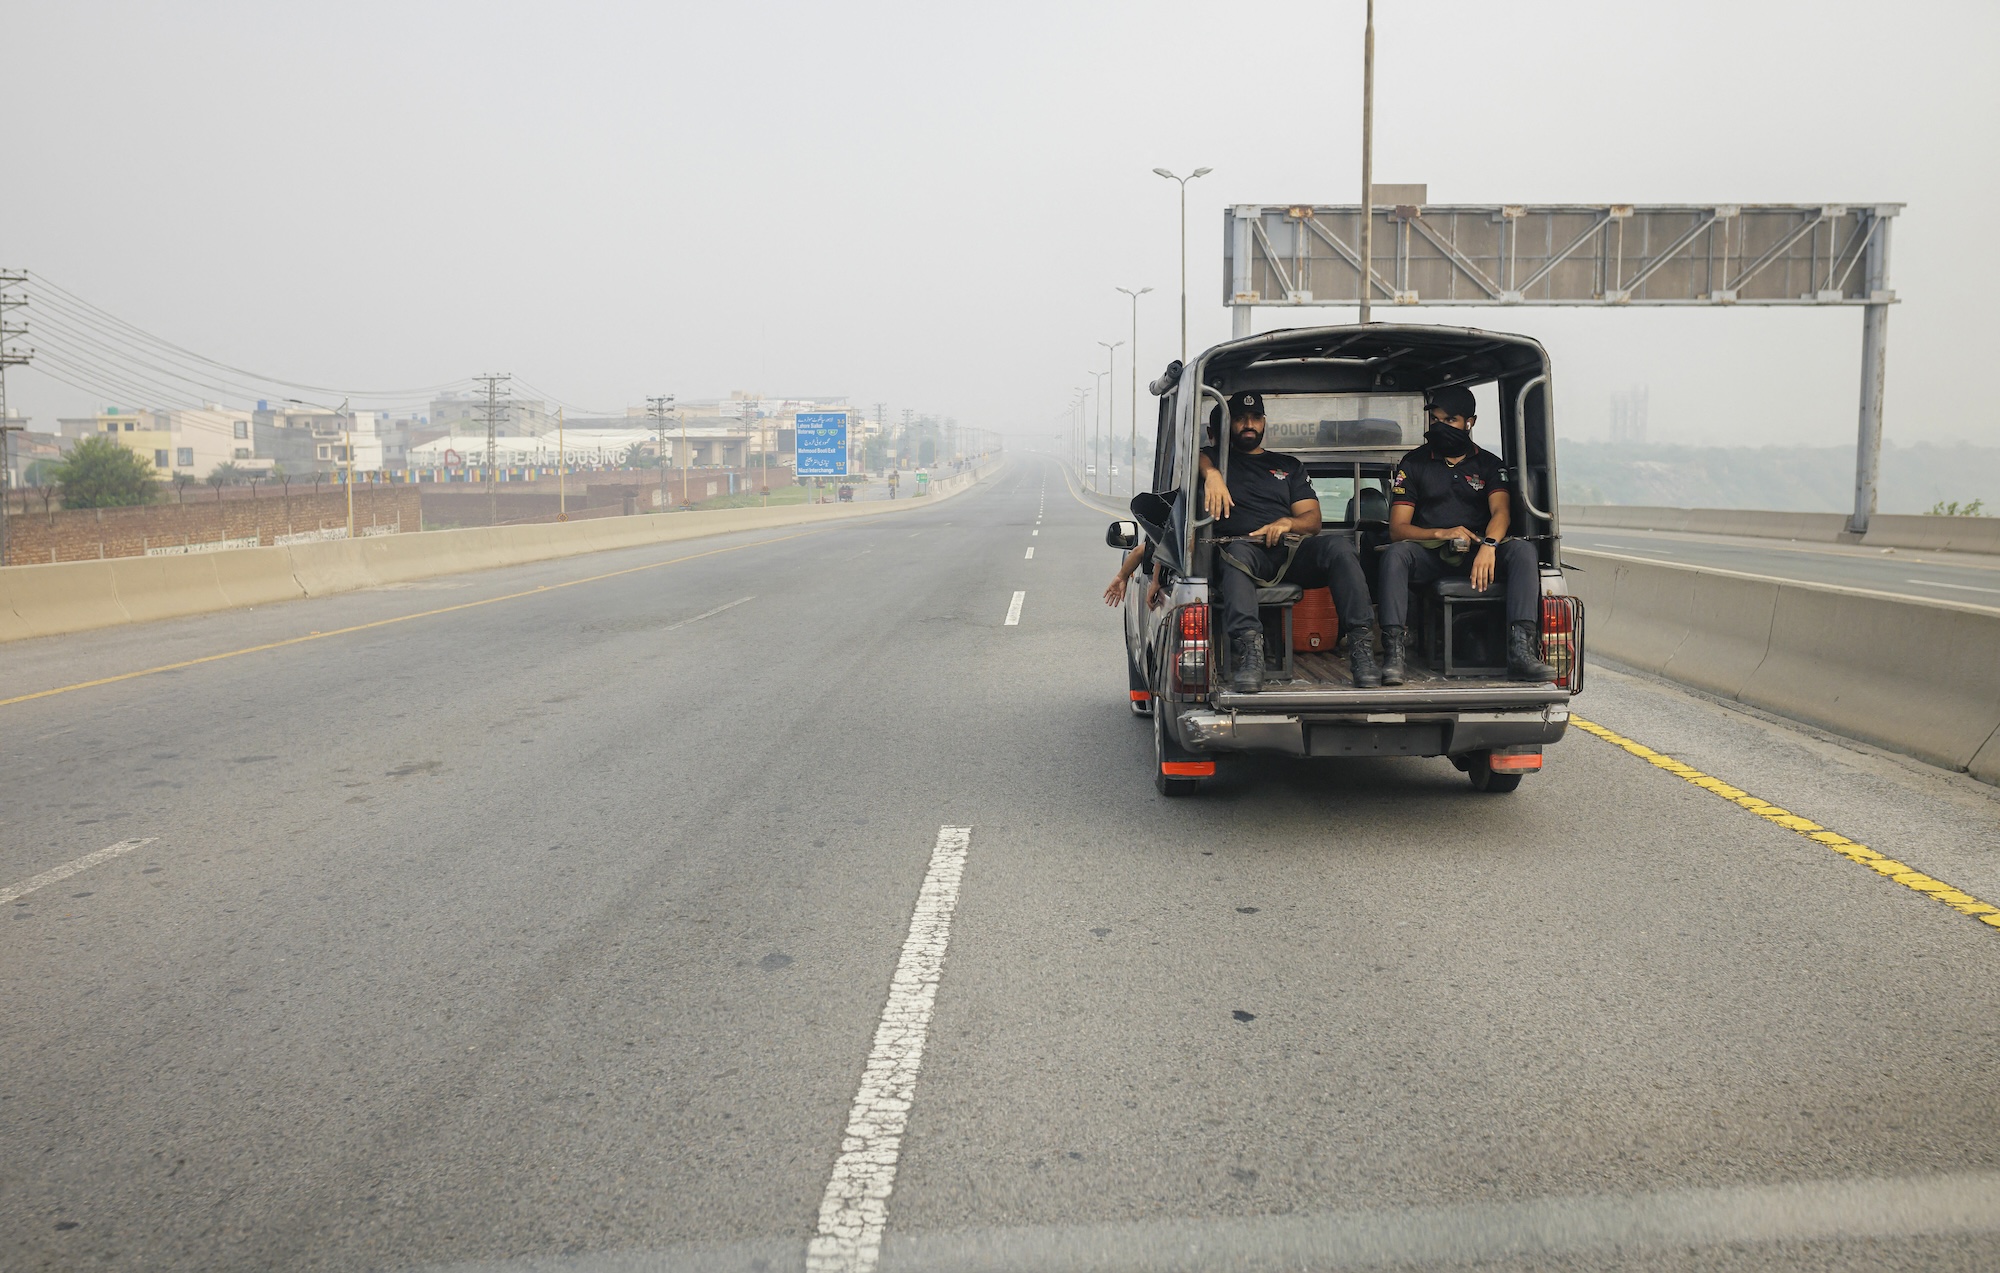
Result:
pixel 1605 255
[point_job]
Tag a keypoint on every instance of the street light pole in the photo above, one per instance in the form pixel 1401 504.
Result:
pixel 1110 404
pixel 1076 430
pixel 1134 457
pixel 1199 172
pixel 1368 162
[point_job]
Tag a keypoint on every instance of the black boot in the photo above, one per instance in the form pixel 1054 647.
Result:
pixel 1246 664
pixel 1393 670
pixel 1361 659
pixel 1524 654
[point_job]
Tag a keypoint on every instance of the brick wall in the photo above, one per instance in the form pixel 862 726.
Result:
pixel 81 534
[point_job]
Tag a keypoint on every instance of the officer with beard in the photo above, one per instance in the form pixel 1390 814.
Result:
pixel 1442 491
pixel 1266 497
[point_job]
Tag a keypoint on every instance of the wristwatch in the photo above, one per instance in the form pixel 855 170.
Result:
pixel 1489 541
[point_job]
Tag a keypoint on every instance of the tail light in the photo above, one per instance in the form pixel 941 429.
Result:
pixel 1190 653
pixel 1562 640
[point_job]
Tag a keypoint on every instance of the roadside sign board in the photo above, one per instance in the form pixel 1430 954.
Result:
pixel 822 445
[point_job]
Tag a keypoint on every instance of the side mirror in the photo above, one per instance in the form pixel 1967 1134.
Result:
pixel 1122 535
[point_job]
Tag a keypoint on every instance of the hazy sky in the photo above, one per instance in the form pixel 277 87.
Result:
pixel 930 204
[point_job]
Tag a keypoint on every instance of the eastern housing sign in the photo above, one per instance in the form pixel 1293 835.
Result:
pixel 822 443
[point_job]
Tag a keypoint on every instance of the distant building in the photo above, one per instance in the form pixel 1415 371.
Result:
pixel 1628 416
pixel 466 413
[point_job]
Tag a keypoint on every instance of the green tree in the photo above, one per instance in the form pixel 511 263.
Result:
pixel 99 473
pixel 1975 509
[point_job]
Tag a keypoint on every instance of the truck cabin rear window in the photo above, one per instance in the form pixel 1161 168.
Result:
pixel 1338 503
pixel 1301 423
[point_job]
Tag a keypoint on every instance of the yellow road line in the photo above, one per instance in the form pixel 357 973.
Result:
pixel 1889 868
pixel 401 618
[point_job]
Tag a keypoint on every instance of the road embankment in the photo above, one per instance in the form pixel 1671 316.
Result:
pixel 1915 676
pixel 1952 534
pixel 51 600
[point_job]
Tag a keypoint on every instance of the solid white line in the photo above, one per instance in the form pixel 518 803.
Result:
pixel 1938 583
pixel 707 614
pixel 855 1208
pixel 1030 556
pixel 56 875
pixel 1014 610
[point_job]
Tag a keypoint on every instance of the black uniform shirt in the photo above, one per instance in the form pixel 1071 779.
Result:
pixel 1262 488
pixel 1446 495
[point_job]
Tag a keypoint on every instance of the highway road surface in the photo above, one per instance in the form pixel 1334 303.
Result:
pixel 737 903
pixel 1966 579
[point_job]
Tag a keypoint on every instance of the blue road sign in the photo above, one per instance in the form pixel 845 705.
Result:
pixel 822 444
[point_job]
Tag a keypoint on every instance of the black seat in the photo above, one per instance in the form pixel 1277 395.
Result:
pixel 1371 505
pixel 1463 632
pixel 1283 594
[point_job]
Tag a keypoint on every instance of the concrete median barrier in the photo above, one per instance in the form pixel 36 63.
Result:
pixel 1915 676
pixel 1822 528
pixel 78 596
pixel 1885 530
pixel 1953 534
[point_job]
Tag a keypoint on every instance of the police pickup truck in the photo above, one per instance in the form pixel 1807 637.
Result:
pixel 1348 402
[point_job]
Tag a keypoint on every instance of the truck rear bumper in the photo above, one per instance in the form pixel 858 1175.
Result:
pixel 1372 733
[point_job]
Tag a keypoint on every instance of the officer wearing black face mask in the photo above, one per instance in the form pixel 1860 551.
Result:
pixel 1448 515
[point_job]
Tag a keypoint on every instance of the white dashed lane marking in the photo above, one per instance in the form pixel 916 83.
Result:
pixel 1030 556
pixel 855 1209
pixel 1014 609
pixel 57 874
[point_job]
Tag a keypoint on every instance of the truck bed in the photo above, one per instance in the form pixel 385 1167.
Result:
pixel 1320 683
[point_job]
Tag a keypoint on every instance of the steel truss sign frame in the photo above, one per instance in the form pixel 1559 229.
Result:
pixel 1605 255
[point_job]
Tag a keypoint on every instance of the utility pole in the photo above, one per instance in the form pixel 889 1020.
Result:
pixel 562 472
pixel 687 457
pixel 657 408
pixel 11 355
pixel 495 413
pixel 1368 162
pixel 347 445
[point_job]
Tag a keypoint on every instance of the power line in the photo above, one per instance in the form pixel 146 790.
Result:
pixel 148 337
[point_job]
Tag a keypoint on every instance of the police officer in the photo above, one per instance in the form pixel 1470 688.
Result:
pixel 1265 497
pixel 1448 515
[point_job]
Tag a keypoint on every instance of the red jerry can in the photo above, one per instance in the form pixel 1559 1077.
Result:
pixel 1315 623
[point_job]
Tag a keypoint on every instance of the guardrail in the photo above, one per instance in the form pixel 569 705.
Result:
pixel 76 596
pixel 1955 534
pixel 1915 676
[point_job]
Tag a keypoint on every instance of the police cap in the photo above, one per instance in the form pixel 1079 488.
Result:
pixel 1246 406
pixel 1452 400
